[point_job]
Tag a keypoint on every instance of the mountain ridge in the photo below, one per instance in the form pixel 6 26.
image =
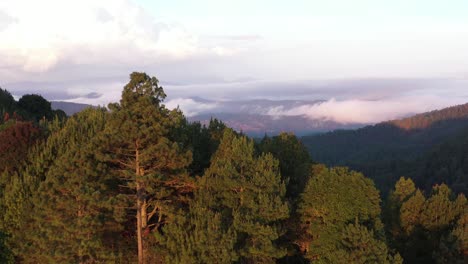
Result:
pixel 390 149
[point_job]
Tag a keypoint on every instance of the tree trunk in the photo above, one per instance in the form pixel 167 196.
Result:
pixel 144 226
pixel 141 256
pixel 139 228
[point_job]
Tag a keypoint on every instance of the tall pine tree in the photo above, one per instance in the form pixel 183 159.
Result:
pixel 137 144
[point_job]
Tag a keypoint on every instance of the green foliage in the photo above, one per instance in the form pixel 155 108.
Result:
pixel 430 148
pixel 83 213
pixel 404 189
pixel 42 181
pixel 199 237
pixel 359 245
pixel 453 247
pixel 35 107
pixel 332 199
pixel 250 196
pixel 410 212
pixel 7 103
pixel 102 186
pixel 136 143
pixel 31 107
pixel 427 230
pixel 447 163
pixel 21 184
pixel 294 160
pixel 439 210
pixel 201 140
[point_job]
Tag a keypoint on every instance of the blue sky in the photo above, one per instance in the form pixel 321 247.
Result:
pixel 395 51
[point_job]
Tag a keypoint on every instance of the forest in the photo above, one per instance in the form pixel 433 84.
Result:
pixel 431 148
pixel 136 182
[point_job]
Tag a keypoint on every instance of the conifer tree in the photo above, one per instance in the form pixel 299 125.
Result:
pixel 20 185
pixel 404 190
pixel 137 144
pixel 440 210
pixel 294 160
pixel 410 212
pixel 73 211
pixel 427 226
pixel 249 194
pixel 202 140
pixel 7 103
pixel 453 247
pixel 198 236
pixel 359 245
pixel 332 199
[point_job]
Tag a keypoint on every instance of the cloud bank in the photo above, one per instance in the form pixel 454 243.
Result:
pixel 342 102
pixel 367 112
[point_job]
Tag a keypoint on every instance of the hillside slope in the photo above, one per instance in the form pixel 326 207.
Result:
pixel 388 150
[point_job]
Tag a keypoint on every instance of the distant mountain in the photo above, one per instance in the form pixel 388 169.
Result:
pixel 257 125
pixel 388 150
pixel 69 108
pixel 259 116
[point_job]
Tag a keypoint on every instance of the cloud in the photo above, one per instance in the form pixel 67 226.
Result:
pixel 6 20
pixel 251 37
pixel 364 111
pixel 189 106
pixel 83 51
pixel 35 39
pixel 347 102
pixel 68 49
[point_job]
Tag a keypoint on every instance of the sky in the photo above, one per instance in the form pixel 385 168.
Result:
pixel 368 60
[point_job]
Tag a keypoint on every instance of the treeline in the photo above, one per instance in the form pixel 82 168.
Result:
pixel 426 120
pixel 32 107
pixel 139 183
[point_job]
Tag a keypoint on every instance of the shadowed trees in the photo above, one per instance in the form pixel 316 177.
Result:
pixel 427 230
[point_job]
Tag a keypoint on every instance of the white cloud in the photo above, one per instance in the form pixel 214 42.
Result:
pixel 363 111
pixel 189 106
pixel 45 33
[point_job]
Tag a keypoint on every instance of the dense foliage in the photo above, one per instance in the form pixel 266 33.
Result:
pixel 138 183
pixel 427 228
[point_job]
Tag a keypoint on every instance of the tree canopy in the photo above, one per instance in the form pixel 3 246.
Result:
pixel 138 183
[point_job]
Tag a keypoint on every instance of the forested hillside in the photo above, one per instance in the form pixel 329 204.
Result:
pixel 139 183
pixel 406 147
